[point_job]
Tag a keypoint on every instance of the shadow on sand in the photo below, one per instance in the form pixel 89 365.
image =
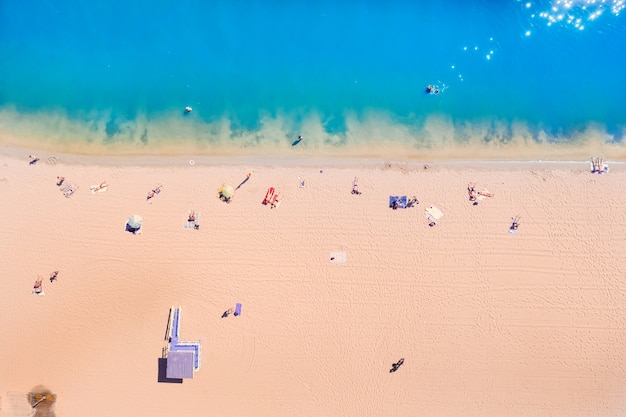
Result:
pixel 162 373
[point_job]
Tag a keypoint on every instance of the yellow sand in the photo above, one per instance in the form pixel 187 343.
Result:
pixel 489 324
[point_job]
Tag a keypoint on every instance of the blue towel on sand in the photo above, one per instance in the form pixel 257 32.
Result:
pixel 399 200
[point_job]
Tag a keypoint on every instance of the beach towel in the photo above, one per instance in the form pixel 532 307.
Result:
pixel 269 195
pixel 338 257
pixel 433 214
pixel 191 225
pixel 238 309
pixel 396 202
pixel 68 189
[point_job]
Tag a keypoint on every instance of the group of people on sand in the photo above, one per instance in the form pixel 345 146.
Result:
pixel 193 219
pixel 38 286
pixel 598 166
pixel 474 195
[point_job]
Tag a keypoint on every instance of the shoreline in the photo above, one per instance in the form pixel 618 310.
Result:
pixel 328 161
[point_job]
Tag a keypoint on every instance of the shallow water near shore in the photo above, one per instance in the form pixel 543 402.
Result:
pixel 534 78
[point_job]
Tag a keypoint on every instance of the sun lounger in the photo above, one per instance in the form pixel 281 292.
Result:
pixel 238 309
pixel 192 224
pixel 269 196
pixel 396 202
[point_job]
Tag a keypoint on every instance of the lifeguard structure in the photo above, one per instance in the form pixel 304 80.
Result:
pixel 183 358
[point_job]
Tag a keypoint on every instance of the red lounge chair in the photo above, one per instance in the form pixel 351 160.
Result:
pixel 269 196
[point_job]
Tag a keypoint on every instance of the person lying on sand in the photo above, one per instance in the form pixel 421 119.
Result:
pixel 53 276
pixel 33 159
pixel 515 222
pixel 38 287
pixel 355 186
pixel 60 181
pixel 102 186
pixel 412 202
pixel 275 201
pixel 192 216
pixel 485 193
pixel 154 192
pixel 395 366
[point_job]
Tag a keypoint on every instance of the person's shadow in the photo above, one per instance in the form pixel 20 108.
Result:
pixel 395 366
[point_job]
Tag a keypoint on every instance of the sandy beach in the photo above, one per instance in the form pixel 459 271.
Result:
pixel 489 323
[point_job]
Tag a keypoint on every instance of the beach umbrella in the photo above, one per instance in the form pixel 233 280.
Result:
pixel 135 221
pixel 227 191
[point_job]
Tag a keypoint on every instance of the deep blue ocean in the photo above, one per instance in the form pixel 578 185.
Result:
pixel 264 72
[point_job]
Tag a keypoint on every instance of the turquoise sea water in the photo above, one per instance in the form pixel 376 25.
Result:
pixel 263 72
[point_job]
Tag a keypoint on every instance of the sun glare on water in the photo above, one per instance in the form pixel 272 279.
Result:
pixel 575 13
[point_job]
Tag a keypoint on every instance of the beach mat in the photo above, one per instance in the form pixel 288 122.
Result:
pixel 400 200
pixel 238 309
pixel 338 257
pixel 433 214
